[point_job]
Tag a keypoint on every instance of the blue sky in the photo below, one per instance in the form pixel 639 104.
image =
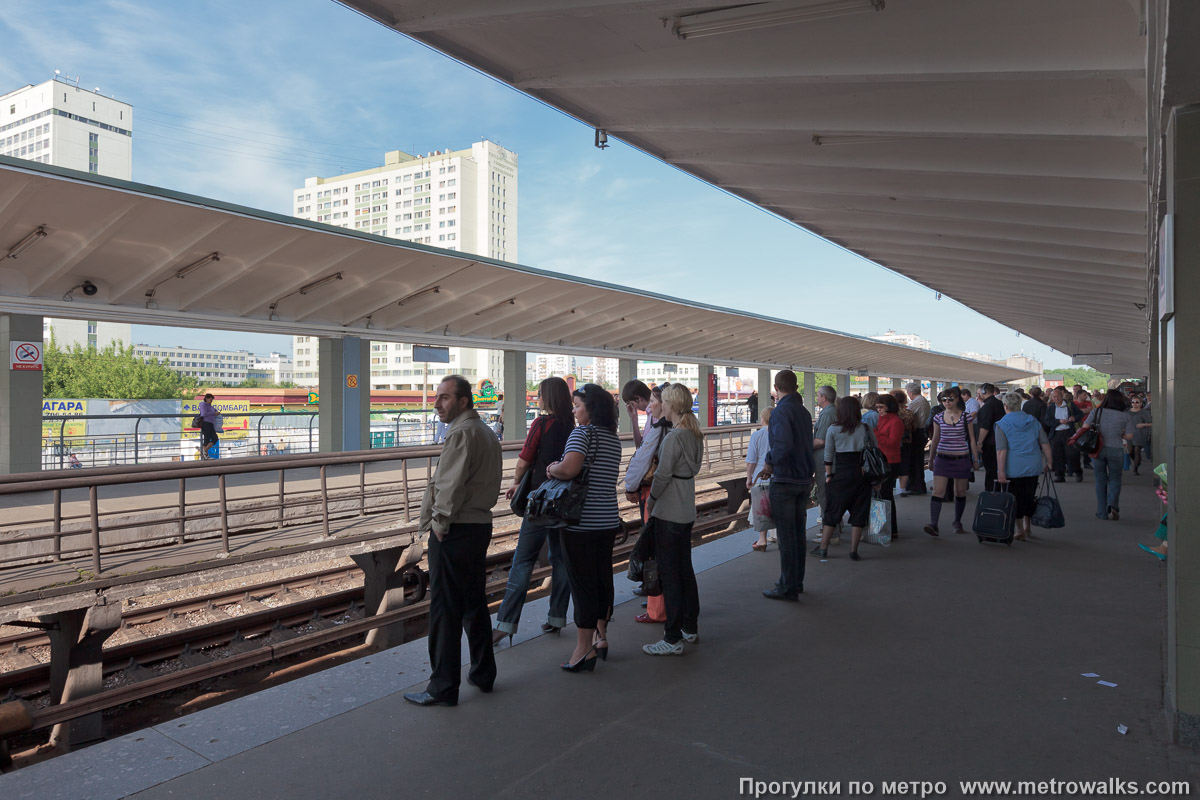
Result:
pixel 241 101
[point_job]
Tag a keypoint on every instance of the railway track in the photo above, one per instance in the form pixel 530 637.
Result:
pixel 253 622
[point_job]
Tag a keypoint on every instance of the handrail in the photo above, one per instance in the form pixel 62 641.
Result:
pixel 49 480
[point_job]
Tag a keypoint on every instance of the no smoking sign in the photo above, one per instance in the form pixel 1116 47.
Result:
pixel 26 355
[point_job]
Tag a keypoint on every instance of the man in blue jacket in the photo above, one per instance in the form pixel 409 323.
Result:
pixel 790 468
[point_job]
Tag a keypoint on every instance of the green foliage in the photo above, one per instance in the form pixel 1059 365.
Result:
pixel 1084 376
pixel 112 372
pixel 259 383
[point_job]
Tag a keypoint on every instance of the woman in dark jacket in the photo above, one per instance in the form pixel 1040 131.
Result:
pixel 543 446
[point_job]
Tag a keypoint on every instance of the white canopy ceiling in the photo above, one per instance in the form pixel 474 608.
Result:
pixel 275 274
pixel 992 151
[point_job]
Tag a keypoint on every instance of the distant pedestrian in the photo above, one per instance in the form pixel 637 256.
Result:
pixel 910 423
pixel 889 432
pixel 954 455
pixel 991 410
pixel 752 404
pixel 919 407
pixel 826 417
pixel 1116 427
pixel 208 425
pixel 790 468
pixel 756 459
pixel 870 415
pixel 1059 420
pixel 500 416
pixel 1022 455
pixel 1142 425
pixel 847 487
pixel 456 512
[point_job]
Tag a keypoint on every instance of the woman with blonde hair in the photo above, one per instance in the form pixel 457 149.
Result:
pixel 870 415
pixel 671 510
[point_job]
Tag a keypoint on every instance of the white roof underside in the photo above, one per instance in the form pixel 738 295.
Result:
pixel 992 151
pixel 129 239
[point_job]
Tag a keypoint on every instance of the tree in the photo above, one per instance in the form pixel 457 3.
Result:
pixel 112 372
pixel 1084 376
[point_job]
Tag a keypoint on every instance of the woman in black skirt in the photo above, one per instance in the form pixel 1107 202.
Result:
pixel 846 487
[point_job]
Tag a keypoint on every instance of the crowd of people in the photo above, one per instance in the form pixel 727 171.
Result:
pixel 1015 439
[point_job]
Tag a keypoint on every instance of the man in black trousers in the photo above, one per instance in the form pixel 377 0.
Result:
pixel 991 411
pixel 457 512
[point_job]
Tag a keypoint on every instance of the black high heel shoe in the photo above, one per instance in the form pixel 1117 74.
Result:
pixel 548 628
pixel 584 664
pixel 601 651
pixel 498 637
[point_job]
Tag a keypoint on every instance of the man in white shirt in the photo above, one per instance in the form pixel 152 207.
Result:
pixel 756 459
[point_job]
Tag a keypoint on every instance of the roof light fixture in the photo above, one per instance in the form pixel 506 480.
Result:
pixel 36 235
pixel 422 293
pixel 317 284
pixel 183 272
pixel 767 15
pixel 512 301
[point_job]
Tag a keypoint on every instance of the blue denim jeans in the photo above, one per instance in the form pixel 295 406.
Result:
pixel 529 544
pixel 789 509
pixel 1107 466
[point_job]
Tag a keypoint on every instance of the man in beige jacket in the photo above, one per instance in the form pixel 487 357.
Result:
pixel 457 512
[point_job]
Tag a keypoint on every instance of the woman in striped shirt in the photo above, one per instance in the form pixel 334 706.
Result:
pixel 955 456
pixel 588 546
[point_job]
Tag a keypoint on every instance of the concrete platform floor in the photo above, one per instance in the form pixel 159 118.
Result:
pixel 934 660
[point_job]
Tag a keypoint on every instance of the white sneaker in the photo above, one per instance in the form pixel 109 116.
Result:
pixel 691 638
pixel 663 648
pixel 815 537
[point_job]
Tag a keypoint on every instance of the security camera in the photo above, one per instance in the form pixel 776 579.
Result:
pixel 89 288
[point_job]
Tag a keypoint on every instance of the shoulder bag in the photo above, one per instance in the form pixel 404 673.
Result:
pixel 1048 513
pixel 1088 439
pixel 520 498
pixel 558 503
pixel 874 463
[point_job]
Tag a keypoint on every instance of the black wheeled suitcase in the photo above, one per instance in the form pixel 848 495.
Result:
pixel 995 516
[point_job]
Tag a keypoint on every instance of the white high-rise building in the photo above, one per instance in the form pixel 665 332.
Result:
pixel 277 367
pixel 457 200
pixel 67 333
pixel 60 123
pixel 906 339
pixel 463 200
pixel 211 367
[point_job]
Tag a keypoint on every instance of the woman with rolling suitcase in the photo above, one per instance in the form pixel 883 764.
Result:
pixel 1022 454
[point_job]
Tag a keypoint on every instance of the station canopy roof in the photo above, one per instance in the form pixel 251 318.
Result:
pixel 146 251
pixel 992 151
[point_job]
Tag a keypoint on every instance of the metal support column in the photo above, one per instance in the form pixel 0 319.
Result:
pixel 20 398
pixel 514 395
pixel 626 371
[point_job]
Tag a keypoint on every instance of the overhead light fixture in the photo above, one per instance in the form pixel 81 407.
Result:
pixel 38 234
pixel 512 301
pixel 208 259
pixel 422 293
pixel 183 272
pixel 317 284
pixel 715 23
pixel 601 139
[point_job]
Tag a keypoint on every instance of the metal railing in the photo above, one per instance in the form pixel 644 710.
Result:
pixel 132 439
pixel 84 516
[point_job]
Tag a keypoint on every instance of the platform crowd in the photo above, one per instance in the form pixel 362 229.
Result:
pixel 856 450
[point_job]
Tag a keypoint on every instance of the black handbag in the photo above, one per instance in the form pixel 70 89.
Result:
pixel 874 463
pixel 558 503
pixel 1048 513
pixel 520 498
pixel 1088 440
pixel 643 567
